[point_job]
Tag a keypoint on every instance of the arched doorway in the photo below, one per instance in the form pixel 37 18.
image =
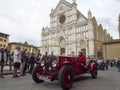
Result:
pixel 62 44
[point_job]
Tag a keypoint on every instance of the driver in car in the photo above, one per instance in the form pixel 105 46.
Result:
pixel 82 60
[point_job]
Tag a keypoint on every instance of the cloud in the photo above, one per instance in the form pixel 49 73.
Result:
pixel 118 1
pixel 24 19
pixel 21 20
pixel 110 25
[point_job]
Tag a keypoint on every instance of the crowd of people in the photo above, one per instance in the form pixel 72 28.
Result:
pixel 24 61
pixel 18 60
pixel 104 64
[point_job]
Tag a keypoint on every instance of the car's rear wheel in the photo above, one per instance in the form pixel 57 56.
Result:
pixel 94 71
pixel 38 70
pixel 66 77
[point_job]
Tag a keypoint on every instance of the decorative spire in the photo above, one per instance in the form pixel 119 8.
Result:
pixel 74 1
pixel 89 14
pixel 43 28
pixel 119 17
pixel 61 0
pixel 52 10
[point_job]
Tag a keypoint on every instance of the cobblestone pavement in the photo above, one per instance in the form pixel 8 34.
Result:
pixel 7 70
pixel 107 80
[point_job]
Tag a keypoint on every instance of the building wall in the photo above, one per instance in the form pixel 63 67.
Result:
pixel 111 50
pixel 4 40
pixel 30 48
pixel 100 36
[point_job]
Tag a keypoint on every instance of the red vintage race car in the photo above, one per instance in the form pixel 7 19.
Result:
pixel 64 69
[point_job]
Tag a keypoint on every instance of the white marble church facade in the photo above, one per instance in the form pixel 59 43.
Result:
pixel 70 31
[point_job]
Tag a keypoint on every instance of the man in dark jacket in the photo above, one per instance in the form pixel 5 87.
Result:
pixel 45 57
pixel 23 61
pixel 52 57
pixel 118 65
pixel 2 61
pixel 32 62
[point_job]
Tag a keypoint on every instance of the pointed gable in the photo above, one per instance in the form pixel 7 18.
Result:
pixel 81 17
pixel 61 7
pixel 45 30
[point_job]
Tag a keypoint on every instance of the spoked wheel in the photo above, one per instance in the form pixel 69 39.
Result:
pixel 66 77
pixel 38 70
pixel 94 72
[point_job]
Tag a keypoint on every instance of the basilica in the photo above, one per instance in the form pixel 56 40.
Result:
pixel 71 31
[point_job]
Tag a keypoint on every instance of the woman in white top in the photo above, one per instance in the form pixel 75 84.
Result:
pixel 17 60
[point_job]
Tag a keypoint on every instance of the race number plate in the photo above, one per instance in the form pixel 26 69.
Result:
pixel 44 78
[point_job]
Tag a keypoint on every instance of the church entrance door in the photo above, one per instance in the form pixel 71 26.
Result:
pixel 62 51
pixel 62 45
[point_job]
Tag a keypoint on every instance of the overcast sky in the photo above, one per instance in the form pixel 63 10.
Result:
pixel 24 19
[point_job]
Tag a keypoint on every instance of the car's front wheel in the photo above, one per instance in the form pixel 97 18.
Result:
pixel 66 77
pixel 38 70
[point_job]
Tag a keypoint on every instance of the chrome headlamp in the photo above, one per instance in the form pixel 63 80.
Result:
pixel 54 63
pixel 42 63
